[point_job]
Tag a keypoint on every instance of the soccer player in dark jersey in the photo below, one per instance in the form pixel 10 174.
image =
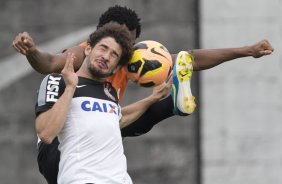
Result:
pixel 81 109
pixel 201 59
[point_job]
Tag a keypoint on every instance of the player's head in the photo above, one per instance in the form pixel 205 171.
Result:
pixel 122 15
pixel 109 47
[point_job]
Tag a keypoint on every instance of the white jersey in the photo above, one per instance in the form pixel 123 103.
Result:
pixel 90 141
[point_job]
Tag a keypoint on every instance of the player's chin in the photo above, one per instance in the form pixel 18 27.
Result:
pixel 102 66
pixel 103 71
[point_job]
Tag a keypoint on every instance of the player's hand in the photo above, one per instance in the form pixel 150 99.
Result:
pixel 24 44
pixel 69 75
pixel 163 90
pixel 261 48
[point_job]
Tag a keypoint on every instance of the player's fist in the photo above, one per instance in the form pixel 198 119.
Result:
pixel 24 44
pixel 261 48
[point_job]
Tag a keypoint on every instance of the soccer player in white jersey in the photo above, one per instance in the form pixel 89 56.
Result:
pixel 193 60
pixel 82 110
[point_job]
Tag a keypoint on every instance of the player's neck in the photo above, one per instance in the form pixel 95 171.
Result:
pixel 91 77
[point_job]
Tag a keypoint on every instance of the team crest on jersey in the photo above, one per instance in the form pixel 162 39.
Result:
pixel 107 91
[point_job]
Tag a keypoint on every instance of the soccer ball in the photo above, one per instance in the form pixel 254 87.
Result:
pixel 150 64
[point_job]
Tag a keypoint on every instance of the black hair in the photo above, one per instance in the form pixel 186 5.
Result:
pixel 120 33
pixel 121 15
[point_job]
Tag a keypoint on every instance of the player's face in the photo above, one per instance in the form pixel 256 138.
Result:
pixel 103 58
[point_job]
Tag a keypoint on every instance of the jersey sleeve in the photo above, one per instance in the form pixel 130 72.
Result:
pixel 50 90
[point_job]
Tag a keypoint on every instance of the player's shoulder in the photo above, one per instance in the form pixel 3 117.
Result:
pixel 84 44
pixel 52 80
pixel 121 72
pixel 51 88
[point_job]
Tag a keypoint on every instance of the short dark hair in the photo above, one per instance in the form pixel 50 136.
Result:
pixel 121 15
pixel 120 33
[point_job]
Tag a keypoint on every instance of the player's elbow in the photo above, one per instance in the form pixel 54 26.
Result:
pixel 44 135
pixel 125 121
pixel 44 129
pixel 45 138
pixel 122 123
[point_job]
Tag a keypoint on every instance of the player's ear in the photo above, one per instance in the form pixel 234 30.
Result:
pixel 116 69
pixel 87 50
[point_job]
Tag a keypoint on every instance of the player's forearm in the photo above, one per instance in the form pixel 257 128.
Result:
pixel 133 111
pixel 208 58
pixel 51 122
pixel 41 61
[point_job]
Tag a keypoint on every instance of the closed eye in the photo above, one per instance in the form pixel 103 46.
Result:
pixel 114 54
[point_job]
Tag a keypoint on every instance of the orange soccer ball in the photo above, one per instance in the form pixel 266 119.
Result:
pixel 150 64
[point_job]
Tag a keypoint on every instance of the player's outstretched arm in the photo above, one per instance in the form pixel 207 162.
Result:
pixel 44 62
pixel 133 111
pixel 48 124
pixel 208 58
